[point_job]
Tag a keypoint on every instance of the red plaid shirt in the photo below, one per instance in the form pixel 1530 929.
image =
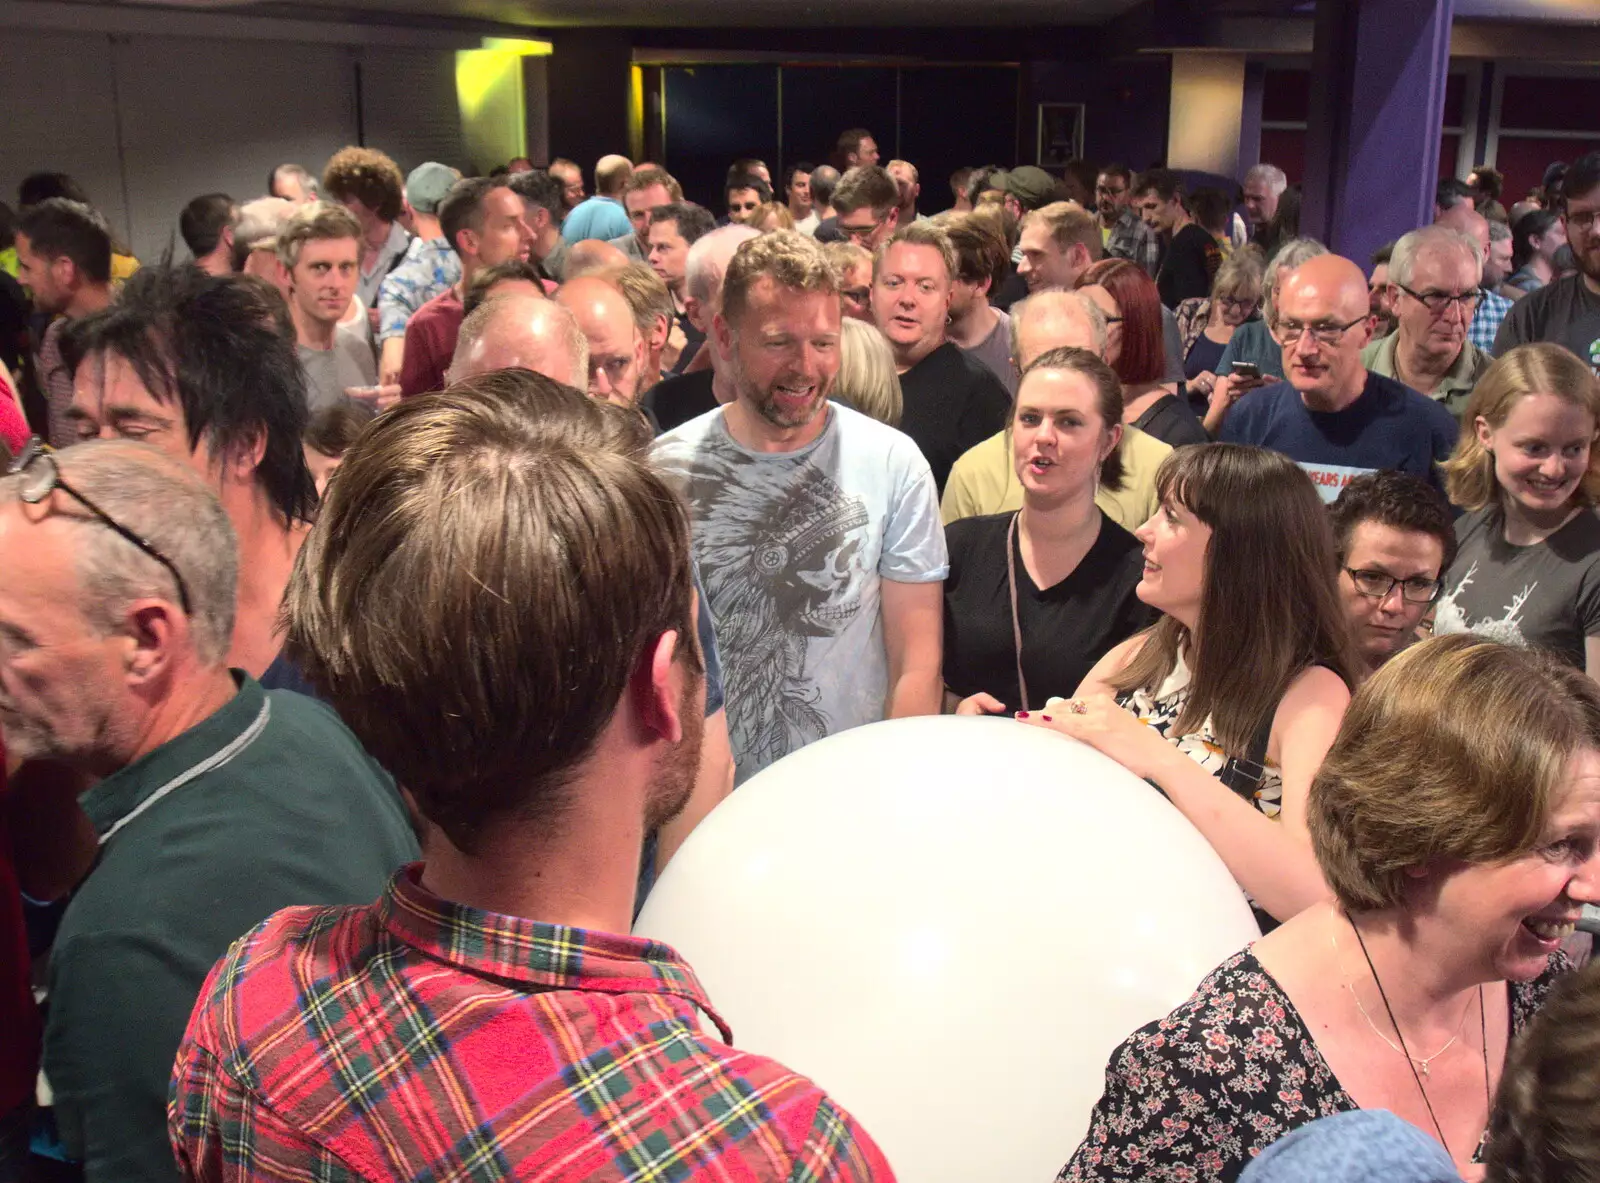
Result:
pixel 419 1039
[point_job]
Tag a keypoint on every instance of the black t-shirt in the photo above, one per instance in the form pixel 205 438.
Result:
pixel 952 401
pixel 1012 289
pixel 1565 312
pixel 1065 628
pixel 675 401
pixel 694 339
pixel 1171 421
pixel 1189 265
pixel 828 230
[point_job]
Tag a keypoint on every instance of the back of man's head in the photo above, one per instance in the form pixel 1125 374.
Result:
pixel 258 226
pixel 211 345
pixel 611 173
pixel 316 221
pixel 293 179
pixel 57 228
pixel 708 262
pixel 552 559
pixel 539 190
pixel 527 332
pixel 487 280
pixel 824 181
pixel 866 188
pixel 981 254
pixel 1451 192
pixel 1055 320
pixel 37 187
pixel 649 175
pixel 203 221
pixel 591 255
pixel 170 508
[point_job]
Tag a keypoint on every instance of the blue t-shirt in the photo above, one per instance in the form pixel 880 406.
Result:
pixel 596 217
pixel 1390 426
pixel 1253 343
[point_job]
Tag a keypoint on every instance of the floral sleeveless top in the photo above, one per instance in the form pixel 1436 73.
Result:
pixel 1161 710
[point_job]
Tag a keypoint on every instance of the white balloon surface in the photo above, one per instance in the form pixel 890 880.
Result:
pixel 949 923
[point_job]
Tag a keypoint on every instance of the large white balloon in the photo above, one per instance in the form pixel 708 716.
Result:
pixel 949 923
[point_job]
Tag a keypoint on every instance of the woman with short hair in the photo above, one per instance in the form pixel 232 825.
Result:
pixel 1460 844
pixel 1207 326
pixel 1228 703
pixel 1535 239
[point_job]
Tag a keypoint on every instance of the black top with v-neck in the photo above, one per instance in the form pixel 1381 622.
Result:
pixel 1066 628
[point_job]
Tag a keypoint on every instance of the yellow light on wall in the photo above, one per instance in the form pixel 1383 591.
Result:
pixel 491 100
pixel 636 114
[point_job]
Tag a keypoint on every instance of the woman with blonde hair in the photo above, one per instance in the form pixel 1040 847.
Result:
pixel 773 215
pixel 1526 472
pixel 1456 819
pixel 867 379
pixel 1207 326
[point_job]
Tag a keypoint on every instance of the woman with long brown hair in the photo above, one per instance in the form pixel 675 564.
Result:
pixel 1230 701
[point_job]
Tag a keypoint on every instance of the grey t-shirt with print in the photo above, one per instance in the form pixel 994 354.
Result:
pixel 792 549
pixel 1545 595
pixel 329 371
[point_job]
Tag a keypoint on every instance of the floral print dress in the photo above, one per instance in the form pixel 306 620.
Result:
pixel 1193 1097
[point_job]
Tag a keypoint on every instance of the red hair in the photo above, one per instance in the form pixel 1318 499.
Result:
pixel 1144 353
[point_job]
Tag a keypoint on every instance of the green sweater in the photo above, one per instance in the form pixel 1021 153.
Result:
pixel 268 803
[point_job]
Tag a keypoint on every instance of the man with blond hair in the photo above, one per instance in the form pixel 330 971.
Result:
pixel 951 400
pixel 200 803
pixel 816 529
pixel 602 215
pixel 320 249
pixel 905 177
pixel 1059 242
pixel 984 480
pixel 545 714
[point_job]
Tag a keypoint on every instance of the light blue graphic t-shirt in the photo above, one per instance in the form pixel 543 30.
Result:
pixel 792 549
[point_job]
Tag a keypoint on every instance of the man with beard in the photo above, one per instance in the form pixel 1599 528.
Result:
pixel 545 715
pixel 1122 231
pixel 1567 311
pixel 816 529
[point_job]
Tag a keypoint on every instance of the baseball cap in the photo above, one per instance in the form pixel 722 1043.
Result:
pixel 1030 185
pixel 427 185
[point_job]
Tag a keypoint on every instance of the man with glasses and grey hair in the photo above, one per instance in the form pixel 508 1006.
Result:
pixel 1333 416
pixel 1434 275
pixel 175 800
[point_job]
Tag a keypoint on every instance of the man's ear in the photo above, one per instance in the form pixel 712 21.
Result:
pixel 695 310
pixel 655 698
pixel 723 332
pixel 154 630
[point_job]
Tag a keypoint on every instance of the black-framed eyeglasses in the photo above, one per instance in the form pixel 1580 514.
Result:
pixel 857 233
pixel 1378 584
pixel 1584 219
pixel 1439 303
pixel 1290 331
pixel 41 475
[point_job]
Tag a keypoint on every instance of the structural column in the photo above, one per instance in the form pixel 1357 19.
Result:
pixel 1378 77
pixel 589 77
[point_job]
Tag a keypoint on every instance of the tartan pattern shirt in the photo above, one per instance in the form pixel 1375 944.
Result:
pixel 419 1039
pixel 1130 238
pixel 430 267
pixel 1492 309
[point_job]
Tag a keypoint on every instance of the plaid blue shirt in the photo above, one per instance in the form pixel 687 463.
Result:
pixel 1130 238
pixel 430 267
pixel 1492 309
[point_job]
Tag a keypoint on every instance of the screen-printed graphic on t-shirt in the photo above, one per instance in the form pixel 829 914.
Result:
pixel 1507 629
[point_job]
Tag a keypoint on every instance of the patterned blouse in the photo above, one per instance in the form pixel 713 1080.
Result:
pixel 1161 710
pixel 1193 1097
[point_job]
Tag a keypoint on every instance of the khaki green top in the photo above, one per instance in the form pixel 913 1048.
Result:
pixel 1453 388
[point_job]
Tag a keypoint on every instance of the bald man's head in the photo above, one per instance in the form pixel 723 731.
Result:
pixel 616 350
pixel 591 255
pixel 1055 320
pixel 524 331
pixel 1323 320
pixel 1470 222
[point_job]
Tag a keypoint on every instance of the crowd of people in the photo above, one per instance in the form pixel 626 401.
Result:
pixel 392 587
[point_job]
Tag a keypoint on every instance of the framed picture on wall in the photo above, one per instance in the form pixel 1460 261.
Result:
pixel 1060 134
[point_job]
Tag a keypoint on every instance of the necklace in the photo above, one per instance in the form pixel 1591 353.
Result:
pixel 1412 1061
pixel 1421 1062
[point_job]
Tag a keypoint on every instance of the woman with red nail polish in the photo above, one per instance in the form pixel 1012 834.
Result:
pixel 1228 704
